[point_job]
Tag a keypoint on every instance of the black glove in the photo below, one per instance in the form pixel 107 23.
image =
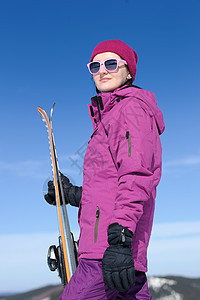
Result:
pixel 117 234
pixel 72 193
pixel 117 264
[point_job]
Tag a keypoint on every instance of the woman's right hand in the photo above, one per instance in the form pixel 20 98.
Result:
pixel 72 193
pixel 50 197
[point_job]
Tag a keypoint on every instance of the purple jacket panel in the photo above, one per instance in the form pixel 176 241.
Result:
pixel 122 168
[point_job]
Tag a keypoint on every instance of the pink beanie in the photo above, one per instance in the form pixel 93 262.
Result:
pixel 120 48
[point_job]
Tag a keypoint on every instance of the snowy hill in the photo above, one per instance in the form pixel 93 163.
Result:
pixel 174 288
pixel 161 288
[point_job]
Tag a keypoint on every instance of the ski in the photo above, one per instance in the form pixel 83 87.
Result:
pixel 63 256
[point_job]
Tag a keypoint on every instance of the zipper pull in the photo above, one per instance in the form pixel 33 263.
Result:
pixel 123 236
pixel 129 143
pixel 97 213
pixel 96 224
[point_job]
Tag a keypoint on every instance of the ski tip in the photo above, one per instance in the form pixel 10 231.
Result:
pixel 39 108
pixel 51 112
pixel 53 108
pixel 42 113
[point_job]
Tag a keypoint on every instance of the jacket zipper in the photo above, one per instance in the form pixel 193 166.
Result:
pixel 96 224
pixel 129 143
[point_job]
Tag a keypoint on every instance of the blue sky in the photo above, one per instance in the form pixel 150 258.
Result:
pixel 45 46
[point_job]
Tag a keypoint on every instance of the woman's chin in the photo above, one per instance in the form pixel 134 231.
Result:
pixel 106 87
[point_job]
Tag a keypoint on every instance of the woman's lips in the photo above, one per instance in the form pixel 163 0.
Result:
pixel 104 79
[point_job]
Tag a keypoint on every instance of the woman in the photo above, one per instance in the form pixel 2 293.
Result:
pixel 122 168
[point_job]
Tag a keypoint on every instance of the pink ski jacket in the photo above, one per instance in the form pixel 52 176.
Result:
pixel 122 168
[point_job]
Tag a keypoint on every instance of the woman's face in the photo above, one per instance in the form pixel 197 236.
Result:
pixel 109 81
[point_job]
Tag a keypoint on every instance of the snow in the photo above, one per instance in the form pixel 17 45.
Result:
pixel 166 284
pixel 156 283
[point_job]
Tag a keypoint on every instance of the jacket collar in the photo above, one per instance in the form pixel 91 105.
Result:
pixel 104 102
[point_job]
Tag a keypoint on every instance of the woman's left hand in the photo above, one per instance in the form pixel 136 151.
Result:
pixel 117 264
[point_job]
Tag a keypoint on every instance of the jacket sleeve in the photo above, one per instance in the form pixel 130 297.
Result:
pixel 131 143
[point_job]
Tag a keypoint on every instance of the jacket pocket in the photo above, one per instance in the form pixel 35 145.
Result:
pixel 129 143
pixel 96 224
pixel 79 211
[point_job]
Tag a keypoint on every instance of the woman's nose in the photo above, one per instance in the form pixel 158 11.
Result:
pixel 103 69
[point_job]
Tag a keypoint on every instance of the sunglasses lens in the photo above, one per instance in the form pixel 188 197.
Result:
pixel 111 64
pixel 94 67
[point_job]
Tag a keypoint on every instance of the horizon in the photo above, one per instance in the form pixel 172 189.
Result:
pixel 6 293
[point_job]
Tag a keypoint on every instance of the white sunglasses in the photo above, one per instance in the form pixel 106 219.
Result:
pixel 110 65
